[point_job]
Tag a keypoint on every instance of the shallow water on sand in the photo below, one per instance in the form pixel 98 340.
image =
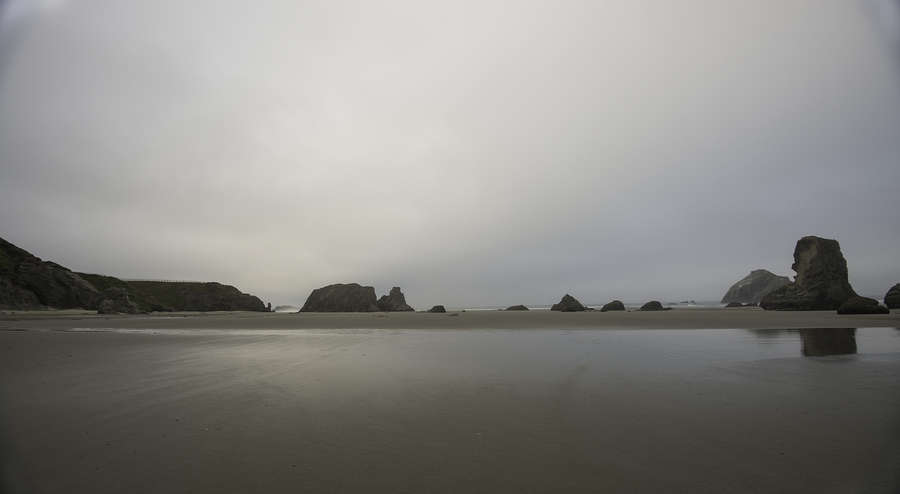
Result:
pixel 450 410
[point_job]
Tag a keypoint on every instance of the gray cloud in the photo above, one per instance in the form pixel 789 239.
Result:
pixel 474 153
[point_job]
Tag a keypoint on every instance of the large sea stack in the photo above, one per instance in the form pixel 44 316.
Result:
pixel 341 297
pixel 568 304
pixel 393 302
pixel 753 287
pixel 28 283
pixel 821 282
pixel 892 297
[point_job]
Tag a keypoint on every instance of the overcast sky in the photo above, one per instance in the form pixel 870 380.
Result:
pixel 473 153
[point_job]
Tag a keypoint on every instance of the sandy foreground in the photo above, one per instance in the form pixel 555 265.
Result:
pixel 743 318
pixel 197 403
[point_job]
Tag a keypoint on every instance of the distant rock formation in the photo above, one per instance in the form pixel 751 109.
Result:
pixel 517 307
pixel 568 304
pixel 654 305
pixel 341 297
pixel 862 305
pixel 614 305
pixel 828 341
pixel 732 305
pixel 439 309
pixel 821 282
pixel 892 297
pixel 286 308
pixel 393 302
pixel 115 300
pixel 269 307
pixel 193 296
pixel 28 283
pixel 753 287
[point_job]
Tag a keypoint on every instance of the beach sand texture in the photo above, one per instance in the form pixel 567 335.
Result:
pixel 399 410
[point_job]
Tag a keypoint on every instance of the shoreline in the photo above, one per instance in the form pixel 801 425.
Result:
pixel 749 318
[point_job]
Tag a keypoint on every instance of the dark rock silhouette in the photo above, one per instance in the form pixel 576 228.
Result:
pixel 517 307
pixel 821 282
pixel 115 300
pixel 27 282
pixel 892 297
pixel 568 304
pixel 862 305
pixel 167 296
pixel 828 341
pixel 395 301
pixel 195 296
pixel 269 307
pixel 753 287
pixel 654 305
pixel 614 305
pixel 341 297
pixel 437 309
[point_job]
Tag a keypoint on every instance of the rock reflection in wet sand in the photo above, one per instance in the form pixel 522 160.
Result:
pixel 828 341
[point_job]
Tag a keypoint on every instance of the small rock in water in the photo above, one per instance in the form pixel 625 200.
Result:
pixel 517 307
pixel 654 305
pixel 568 304
pixel 614 305
pixel 892 297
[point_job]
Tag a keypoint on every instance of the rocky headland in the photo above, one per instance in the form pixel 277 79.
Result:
pixel 29 283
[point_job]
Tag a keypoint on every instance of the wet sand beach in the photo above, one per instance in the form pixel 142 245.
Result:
pixel 405 410
pixel 745 318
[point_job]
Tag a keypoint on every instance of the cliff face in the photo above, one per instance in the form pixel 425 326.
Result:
pixel 753 287
pixel 821 283
pixel 27 283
